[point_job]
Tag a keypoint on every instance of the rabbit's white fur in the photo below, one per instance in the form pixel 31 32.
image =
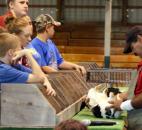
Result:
pixel 101 99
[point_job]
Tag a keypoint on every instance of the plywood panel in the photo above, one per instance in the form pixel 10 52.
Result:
pixel 69 86
pixel 24 105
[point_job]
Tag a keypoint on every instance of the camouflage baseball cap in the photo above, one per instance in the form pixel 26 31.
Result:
pixel 43 20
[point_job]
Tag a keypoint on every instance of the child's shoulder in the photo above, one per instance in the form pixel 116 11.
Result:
pixel 5 68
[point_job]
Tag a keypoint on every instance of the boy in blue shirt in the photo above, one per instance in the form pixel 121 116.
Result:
pixel 51 59
pixel 11 72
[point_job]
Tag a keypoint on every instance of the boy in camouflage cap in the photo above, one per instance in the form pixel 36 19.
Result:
pixel 51 59
pixel 44 19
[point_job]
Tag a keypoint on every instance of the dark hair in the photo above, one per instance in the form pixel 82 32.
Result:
pixel 70 125
pixel 131 37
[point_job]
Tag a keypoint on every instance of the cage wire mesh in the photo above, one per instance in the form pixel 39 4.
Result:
pixel 114 77
pixel 89 65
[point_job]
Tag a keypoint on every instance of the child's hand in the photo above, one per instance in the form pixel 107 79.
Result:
pixel 49 89
pixel 80 69
pixel 21 53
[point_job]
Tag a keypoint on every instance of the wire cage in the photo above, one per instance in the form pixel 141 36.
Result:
pixel 117 77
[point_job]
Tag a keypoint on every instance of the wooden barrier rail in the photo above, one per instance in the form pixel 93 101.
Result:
pixel 94 42
pixel 88 42
pixel 95 57
pixel 96 35
pixel 124 61
pixel 89 50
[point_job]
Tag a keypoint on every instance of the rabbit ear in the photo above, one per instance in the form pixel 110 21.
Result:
pixel 105 91
pixel 98 88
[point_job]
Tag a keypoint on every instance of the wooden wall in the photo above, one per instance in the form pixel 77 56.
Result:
pixel 85 43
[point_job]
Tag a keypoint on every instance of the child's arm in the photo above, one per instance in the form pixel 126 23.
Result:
pixel 37 76
pixel 69 65
pixel 48 69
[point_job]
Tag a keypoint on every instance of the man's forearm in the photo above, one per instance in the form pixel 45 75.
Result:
pixel 137 101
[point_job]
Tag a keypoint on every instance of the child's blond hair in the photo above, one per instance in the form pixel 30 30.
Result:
pixel 8 41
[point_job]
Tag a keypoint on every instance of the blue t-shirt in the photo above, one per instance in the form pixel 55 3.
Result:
pixel 36 55
pixel 50 55
pixel 15 74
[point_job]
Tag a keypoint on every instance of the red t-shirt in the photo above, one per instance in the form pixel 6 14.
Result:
pixel 138 88
pixel 3 18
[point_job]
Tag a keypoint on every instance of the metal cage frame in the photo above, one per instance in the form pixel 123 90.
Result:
pixel 104 75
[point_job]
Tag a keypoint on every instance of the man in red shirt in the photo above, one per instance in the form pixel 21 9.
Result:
pixel 16 8
pixel 134 44
pixel 133 104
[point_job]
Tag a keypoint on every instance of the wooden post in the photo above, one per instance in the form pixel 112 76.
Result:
pixel 60 8
pixel 108 15
pixel 124 12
